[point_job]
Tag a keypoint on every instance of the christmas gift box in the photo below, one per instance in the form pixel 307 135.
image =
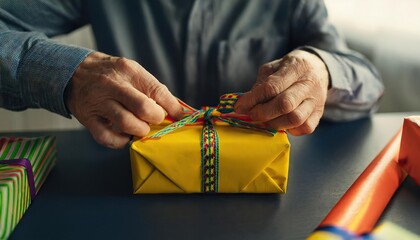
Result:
pixel 24 166
pixel 211 150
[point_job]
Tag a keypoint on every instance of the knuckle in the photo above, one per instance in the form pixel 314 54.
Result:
pixel 272 87
pixel 296 118
pixel 103 139
pixel 294 60
pixel 264 69
pixel 158 90
pixel 144 109
pixel 117 116
pixel 124 124
pixel 124 64
pixel 122 61
pixel 291 61
pixel 286 104
pixel 298 65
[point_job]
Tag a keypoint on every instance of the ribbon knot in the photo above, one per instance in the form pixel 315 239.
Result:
pixel 211 113
pixel 224 112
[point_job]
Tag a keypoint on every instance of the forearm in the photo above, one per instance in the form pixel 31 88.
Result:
pixel 35 71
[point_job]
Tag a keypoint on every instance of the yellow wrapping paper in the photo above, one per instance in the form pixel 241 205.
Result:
pixel 250 161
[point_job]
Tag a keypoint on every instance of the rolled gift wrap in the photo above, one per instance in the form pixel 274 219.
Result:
pixel 357 212
pixel 410 150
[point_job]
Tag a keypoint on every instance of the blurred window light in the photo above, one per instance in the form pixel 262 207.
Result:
pixel 397 16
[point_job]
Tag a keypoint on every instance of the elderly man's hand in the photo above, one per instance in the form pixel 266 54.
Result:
pixel 116 98
pixel 290 93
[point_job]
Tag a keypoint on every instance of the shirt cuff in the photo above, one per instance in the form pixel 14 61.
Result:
pixel 336 109
pixel 45 71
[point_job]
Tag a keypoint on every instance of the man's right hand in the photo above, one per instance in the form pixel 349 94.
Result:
pixel 116 97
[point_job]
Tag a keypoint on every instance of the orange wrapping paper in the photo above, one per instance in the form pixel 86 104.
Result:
pixel 410 151
pixel 362 205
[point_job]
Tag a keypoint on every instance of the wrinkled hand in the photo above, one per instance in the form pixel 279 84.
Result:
pixel 290 93
pixel 116 98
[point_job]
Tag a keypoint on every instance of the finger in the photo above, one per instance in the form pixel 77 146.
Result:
pixel 308 126
pixel 275 84
pixel 295 118
pixel 283 103
pixel 148 84
pixel 141 105
pixel 124 121
pixel 166 100
pixel 103 133
pixel 266 70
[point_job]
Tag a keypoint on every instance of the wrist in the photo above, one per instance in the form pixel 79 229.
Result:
pixel 320 67
pixel 317 65
pixel 66 96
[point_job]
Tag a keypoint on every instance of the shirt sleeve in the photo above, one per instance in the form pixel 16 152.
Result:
pixel 356 86
pixel 35 70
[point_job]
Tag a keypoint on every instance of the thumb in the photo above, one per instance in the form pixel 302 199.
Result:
pixel 155 90
pixel 163 97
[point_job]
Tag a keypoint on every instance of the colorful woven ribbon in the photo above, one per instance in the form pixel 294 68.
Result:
pixel 224 112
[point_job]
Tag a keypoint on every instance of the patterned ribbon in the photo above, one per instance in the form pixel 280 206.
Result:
pixel 224 112
pixel 29 172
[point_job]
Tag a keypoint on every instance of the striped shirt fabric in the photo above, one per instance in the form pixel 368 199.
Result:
pixel 200 49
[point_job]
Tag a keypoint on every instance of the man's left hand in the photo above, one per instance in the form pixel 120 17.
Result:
pixel 290 93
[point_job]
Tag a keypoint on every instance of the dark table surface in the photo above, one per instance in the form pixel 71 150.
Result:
pixel 88 194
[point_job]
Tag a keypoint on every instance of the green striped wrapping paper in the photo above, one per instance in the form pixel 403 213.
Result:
pixel 15 194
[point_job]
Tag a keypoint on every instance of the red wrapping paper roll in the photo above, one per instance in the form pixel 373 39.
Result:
pixel 361 206
pixel 410 153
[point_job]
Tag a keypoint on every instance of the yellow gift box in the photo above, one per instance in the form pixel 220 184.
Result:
pixel 217 155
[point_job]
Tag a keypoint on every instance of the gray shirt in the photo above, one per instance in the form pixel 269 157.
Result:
pixel 199 49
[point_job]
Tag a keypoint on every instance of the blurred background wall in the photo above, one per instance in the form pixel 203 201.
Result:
pixel 385 31
pixel 388 33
